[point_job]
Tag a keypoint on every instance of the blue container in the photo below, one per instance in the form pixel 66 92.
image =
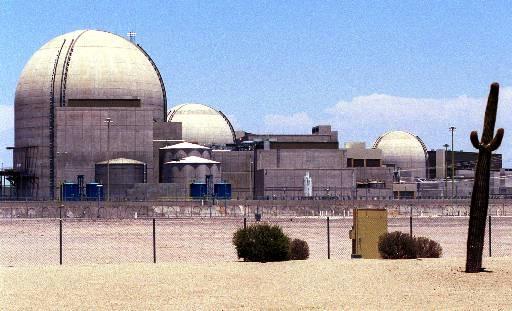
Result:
pixel 93 190
pixel 198 190
pixel 222 191
pixel 70 192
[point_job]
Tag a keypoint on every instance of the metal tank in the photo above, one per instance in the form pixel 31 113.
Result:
pixel 190 169
pixel 180 151
pixel 124 173
pixel 64 94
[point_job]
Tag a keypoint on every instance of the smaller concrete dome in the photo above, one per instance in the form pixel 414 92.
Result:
pixel 202 124
pixel 405 151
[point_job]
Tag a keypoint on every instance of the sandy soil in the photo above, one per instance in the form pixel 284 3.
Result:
pixel 36 241
pixel 312 284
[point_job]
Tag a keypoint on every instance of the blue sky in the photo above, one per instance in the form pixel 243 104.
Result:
pixel 283 66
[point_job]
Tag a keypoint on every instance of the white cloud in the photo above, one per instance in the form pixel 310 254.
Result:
pixel 299 122
pixel 364 118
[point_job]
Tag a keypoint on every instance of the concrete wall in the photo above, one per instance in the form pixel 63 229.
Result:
pixel 161 191
pixel 300 159
pixel 289 183
pixel 237 169
pixel 82 140
pixel 243 208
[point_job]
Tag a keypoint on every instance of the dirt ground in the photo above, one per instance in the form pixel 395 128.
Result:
pixel 312 284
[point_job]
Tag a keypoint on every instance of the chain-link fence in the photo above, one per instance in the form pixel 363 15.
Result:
pixel 207 239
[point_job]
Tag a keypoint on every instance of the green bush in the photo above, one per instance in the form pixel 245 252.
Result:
pixel 262 242
pixel 397 245
pixel 428 248
pixel 299 250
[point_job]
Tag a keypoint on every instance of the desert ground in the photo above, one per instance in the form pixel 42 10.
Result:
pixel 428 284
pixel 107 264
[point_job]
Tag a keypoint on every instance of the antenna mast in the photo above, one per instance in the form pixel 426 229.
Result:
pixel 132 35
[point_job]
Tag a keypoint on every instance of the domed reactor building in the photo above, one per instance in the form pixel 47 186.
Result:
pixel 405 152
pixel 65 94
pixel 203 125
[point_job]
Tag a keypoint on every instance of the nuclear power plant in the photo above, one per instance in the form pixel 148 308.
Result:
pixel 92 122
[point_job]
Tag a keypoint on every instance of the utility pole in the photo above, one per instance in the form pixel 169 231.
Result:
pixel 445 170
pixel 108 121
pixel 452 129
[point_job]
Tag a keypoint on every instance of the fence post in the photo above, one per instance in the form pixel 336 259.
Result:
pixel 328 240
pixel 60 241
pixel 410 222
pixel 490 237
pixel 154 241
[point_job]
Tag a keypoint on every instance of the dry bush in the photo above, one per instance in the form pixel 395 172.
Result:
pixel 397 245
pixel 299 250
pixel 428 248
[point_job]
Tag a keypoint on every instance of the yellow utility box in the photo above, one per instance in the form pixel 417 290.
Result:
pixel 369 225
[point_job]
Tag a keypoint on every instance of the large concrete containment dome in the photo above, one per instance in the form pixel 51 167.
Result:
pixel 405 151
pixel 202 124
pixel 66 91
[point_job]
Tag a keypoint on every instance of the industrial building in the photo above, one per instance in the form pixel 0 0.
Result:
pixel 91 119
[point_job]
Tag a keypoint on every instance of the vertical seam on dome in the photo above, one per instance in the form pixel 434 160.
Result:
pixel 172 113
pixel 162 85
pixel 65 69
pixel 230 126
pixel 52 123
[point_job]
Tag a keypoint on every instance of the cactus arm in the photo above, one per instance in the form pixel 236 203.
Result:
pixel 474 139
pixel 490 114
pixel 496 141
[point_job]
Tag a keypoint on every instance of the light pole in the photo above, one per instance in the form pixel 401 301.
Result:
pixel 452 129
pixel 108 121
pixel 445 170
pixel 60 154
pixel 251 192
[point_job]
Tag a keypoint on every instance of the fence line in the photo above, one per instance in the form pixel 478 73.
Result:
pixel 72 241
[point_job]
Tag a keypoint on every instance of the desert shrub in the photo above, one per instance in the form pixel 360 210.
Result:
pixel 299 250
pixel 262 242
pixel 397 245
pixel 428 248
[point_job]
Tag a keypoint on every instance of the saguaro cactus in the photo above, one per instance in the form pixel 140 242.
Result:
pixel 480 196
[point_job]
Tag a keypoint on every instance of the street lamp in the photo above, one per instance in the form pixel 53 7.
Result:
pixel 58 155
pixel 251 192
pixel 108 121
pixel 452 129
pixel 445 170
